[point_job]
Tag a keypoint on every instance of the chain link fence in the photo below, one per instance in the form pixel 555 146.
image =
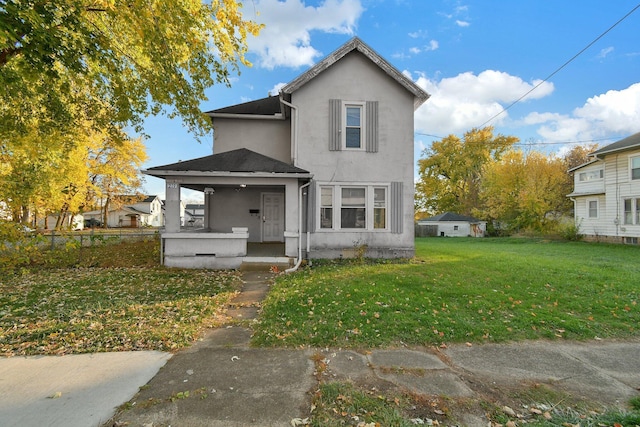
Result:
pixel 58 239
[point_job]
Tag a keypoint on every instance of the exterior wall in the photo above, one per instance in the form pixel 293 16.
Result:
pixel 617 185
pixel 230 208
pixel 356 78
pixel 268 137
pixel 74 222
pixel 205 250
pixel 591 186
pixel 458 228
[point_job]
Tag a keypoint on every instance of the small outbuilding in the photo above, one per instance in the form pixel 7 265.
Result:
pixel 450 224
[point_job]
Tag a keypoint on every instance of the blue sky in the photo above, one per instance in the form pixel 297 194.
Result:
pixel 474 57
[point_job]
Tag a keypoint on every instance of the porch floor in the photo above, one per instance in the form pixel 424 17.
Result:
pixel 265 255
pixel 265 249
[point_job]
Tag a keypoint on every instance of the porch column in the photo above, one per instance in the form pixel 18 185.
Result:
pixel 208 209
pixel 291 230
pixel 172 207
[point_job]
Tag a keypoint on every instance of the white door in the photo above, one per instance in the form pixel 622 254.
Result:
pixel 272 217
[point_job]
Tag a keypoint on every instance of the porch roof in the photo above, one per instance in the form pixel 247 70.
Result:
pixel 239 161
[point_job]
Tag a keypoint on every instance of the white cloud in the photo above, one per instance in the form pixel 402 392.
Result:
pixel 276 89
pixel 616 112
pixel 604 52
pixel 460 103
pixel 286 40
pixel 460 23
pixel 418 34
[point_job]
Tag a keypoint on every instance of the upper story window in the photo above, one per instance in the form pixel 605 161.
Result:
pixel 353 130
pixel 353 126
pixel 635 167
pixel 591 175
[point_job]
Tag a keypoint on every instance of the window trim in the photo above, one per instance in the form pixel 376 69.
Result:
pixel 369 207
pixel 586 173
pixel 323 206
pixel 631 168
pixel 597 216
pixel 343 128
pixel 634 210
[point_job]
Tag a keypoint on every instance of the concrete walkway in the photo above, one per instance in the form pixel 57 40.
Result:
pixel 222 381
pixel 72 391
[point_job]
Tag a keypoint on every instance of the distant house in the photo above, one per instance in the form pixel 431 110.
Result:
pixel 73 222
pixel 451 224
pixel 141 212
pixel 606 193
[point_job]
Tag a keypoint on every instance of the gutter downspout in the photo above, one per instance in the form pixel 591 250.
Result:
pixel 294 134
pixel 295 267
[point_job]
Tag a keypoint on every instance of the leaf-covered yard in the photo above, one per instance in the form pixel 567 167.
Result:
pixel 80 310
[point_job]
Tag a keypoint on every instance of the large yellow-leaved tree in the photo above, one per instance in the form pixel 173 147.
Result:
pixel 75 73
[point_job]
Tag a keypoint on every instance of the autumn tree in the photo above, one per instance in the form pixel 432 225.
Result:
pixel 67 177
pixel 114 61
pixel 113 170
pixel 450 174
pixel 525 191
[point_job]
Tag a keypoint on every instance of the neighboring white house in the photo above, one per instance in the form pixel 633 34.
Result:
pixel 141 212
pixel 73 222
pixel 194 215
pixel 606 193
pixel 451 224
pixel 324 168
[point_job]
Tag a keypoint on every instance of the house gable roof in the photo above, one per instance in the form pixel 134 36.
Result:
pixel 241 160
pixel 590 162
pixel 451 217
pixel 355 44
pixel 627 143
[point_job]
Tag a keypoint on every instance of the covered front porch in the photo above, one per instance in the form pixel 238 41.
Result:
pixel 249 216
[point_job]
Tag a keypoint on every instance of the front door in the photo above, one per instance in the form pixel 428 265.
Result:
pixel 272 217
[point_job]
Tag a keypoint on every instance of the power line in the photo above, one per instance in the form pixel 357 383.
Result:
pixel 585 141
pixel 561 67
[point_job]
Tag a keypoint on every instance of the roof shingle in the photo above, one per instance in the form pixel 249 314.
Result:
pixel 240 160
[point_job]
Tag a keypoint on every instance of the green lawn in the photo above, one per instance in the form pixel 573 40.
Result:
pixel 460 290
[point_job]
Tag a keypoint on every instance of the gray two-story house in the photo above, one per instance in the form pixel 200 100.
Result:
pixel 322 170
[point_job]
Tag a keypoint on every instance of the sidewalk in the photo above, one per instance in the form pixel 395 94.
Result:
pixel 222 381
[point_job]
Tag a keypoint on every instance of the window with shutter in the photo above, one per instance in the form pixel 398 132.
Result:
pixel 353 125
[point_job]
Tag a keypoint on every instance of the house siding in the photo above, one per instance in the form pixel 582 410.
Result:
pixel 610 194
pixel 269 137
pixel 355 78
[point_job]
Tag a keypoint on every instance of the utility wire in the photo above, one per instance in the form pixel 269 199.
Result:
pixel 561 67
